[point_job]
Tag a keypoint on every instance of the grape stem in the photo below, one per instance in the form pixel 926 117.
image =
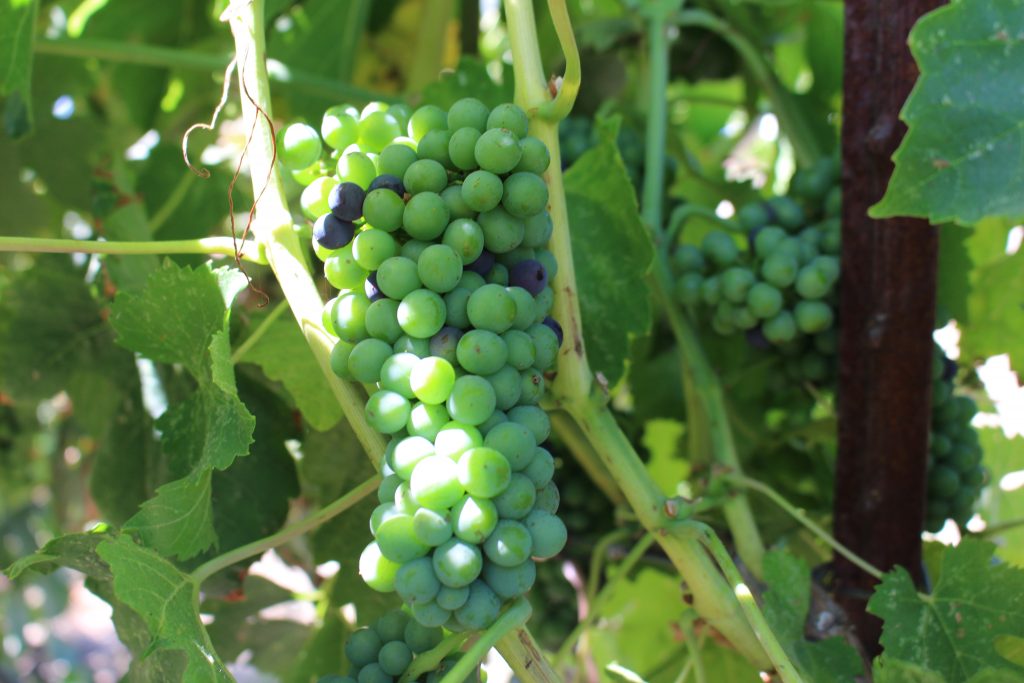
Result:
pixel 521 652
pixel 224 246
pixel 693 647
pixel 585 455
pixel 559 108
pixel 512 618
pixel 431 659
pixel 294 530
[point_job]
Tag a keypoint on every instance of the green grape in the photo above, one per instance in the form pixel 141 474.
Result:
pixel 377 130
pixel 426 216
pixel 522 353
pixel 482 191
pixel 545 343
pixel 465 238
pixel 370 248
pixel 687 289
pixel 711 290
pixel 426 420
pixel 398 276
pixel 535 419
pixel 491 308
pixel 455 303
pixel 382 322
pixel 481 608
pixel 426 119
pixel 425 175
pixel 507 387
pixel 764 301
pixel 541 467
pixel 516 501
pixel 743 318
pixel 943 482
pixel 787 212
pixel 383 209
pixel 813 316
pixel 363 647
pixel 498 275
pixel 457 206
pixel 719 248
pixel 412 249
pixel 510 117
pixel 432 380
pixel 468 112
pixel 526 308
pixel 688 258
pixel 395 159
pixel 547 498
pixel 340 126
pixel 455 438
pixel 404 501
pixel 421 638
pixel 397 540
pixel 335 678
pixel 421 314
pixel 547 532
pixel 472 400
pixel 408 453
pixel 503 232
pixel 387 411
pixel 736 282
pixel 780 329
pixel 481 352
pixel 536 157
pixel 510 582
pixel 372 673
pixel 342 270
pixel 537 230
pixel 416 581
pixel 366 359
pixel 509 545
pixel 515 441
pixel 386 490
pixel 358 168
pixel 305 176
pixel 339 359
pixel 547 259
pixel 436 483
pixel 474 518
pixel 298 146
pixel 532 387
pixel 524 194
pixel 349 316
pixel 484 472
pixel 812 283
pixel 780 269
pixel 313 199
pixel 452 598
pixel 391 625
pixel 461 148
pixel 521 253
pixel 457 563
pixel 395 657
pixel 394 374
pixel 768 239
pixel 497 417
pixel 376 570
pixel 498 151
pixel 471 281
pixel 439 268
pixel 434 146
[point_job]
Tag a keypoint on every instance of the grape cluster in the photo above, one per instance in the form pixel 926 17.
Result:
pixel 383 651
pixel 955 472
pixel 437 245
pixel 781 290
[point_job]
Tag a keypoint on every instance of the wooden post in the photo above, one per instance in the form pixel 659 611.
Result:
pixel 887 313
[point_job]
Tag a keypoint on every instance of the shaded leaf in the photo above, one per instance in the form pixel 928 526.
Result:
pixel 17 35
pixel 179 520
pixel 207 430
pixel 995 312
pixel 469 79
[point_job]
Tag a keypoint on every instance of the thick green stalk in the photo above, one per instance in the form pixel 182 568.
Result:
pixel 521 652
pixel 177 58
pixel 223 246
pixel 272 222
pixel 427 59
pixel 558 108
pixel 260 546
pixel 425 662
pixel 585 455
pixel 513 618
pixel 657 121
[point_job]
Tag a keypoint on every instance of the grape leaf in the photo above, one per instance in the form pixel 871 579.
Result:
pixel 285 357
pixel 179 520
pixel 17 35
pixel 469 79
pixel 995 312
pixel 612 252
pixel 963 124
pixel 953 630
pixel 173 318
pixel 666 466
pixel 207 430
pixel 786 605
pixel 1003 456
pixel 154 604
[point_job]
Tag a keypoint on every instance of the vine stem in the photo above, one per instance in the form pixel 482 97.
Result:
pixel 702 387
pixel 272 221
pixel 260 546
pixel 521 652
pixel 429 660
pixel 257 334
pixel 558 108
pixel 801 517
pixel 706 536
pixel 213 246
pixel 512 618
pixel 586 456
pixel 427 58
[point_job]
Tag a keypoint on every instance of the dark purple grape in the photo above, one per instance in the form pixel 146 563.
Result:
pixel 330 232
pixel 555 327
pixel 346 201
pixel 444 342
pixel 530 275
pixel 483 264
pixel 387 182
pixel 371 289
pixel 756 338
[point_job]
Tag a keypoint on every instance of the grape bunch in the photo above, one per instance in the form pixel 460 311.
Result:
pixel 437 245
pixel 382 652
pixel 780 291
pixel 955 472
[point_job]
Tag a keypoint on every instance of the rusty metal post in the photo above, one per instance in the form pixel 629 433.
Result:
pixel 887 312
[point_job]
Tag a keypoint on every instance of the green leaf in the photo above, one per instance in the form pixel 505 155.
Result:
pixel 786 605
pixel 208 430
pixel 173 318
pixel 612 252
pixel 666 465
pixel 995 309
pixel 1003 456
pixel 889 670
pixel 469 79
pixel 179 520
pixel 17 36
pixel 953 630
pixel 129 223
pixel 284 356
pixel 963 116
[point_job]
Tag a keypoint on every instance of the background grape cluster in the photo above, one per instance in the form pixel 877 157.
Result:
pixel 436 242
pixel 576 134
